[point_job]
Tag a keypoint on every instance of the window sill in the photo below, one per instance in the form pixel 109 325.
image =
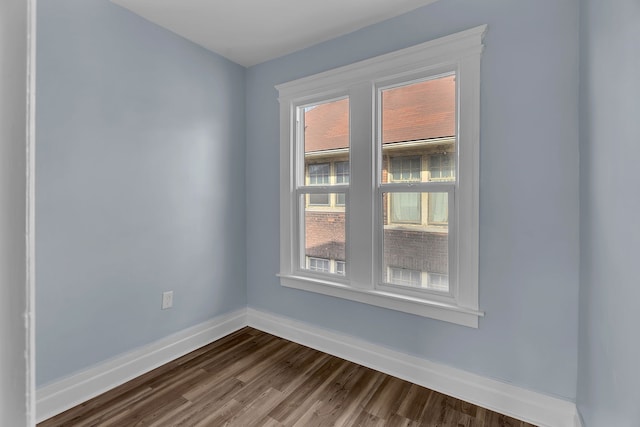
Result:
pixel 413 305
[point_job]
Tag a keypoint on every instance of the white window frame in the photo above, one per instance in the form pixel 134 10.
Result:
pixel 458 53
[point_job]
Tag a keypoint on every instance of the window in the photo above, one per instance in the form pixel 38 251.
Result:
pixel 318 264
pixel 342 177
pixel 340 268
pixel 318 175
pixel 335 172
pixel 379 180
pixel 324 265
pixel 404 276
pixel 406 207
pixel 440 169
pixel 438 281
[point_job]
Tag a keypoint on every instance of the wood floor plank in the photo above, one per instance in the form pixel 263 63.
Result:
pixel 218 417
pixel 310 418
pixel 359 396
pixel 340 396
pixel 207 403
pixel 414 402
pixel 308 392
pixel 250 378
pixel 387 398
pixel 251 413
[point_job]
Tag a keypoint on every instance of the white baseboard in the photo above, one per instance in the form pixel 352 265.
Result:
pixel 61 395
pixel 526 405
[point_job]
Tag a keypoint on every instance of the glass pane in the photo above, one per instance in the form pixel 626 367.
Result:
pixel 318 173
pixel 324 236
pixel 340 268
pixel 438 208
pixel 419 131
pixel 326 143
pixel 405 207
pixel 416 245
pixel 342 177
pixel 405 169
pixel 342 172
pixel 319 200
pixel 318 264
pixel 404 276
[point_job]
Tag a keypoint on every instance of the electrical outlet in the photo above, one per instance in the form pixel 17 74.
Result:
pixel 167 300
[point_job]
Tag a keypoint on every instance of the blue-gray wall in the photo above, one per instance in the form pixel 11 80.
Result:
pixel 141 167
pixel 529 208
pixel 15 376
pixel 609 341
pixel 140 184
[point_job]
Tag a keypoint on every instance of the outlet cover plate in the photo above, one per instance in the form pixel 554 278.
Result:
pixel 167 300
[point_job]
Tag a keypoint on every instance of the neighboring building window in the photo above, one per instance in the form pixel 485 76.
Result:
pixel 405 277
pixel 340 268
pixel 397 136
pixel 406 169
pixel 319 175
pixel 319 264
pixel 324 265
pixel 438 282
pixel 342 177
pixel 441 168
pixel 406 207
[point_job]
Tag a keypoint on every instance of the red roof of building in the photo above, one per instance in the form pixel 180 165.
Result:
pixel 414 112
pixel 326 126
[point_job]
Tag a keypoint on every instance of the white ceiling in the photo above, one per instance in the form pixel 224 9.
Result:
pixel 249 32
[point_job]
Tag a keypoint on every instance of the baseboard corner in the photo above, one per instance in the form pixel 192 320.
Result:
pixel 55 398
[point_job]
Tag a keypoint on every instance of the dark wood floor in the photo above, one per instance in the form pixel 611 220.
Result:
pixel 251 378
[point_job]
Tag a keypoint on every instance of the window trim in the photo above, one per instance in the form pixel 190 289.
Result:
pixel 459 53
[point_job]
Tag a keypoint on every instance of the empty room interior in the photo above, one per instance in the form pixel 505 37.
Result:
pixel 442 191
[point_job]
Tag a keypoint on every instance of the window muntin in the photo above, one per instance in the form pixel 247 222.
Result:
pixel 456 58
